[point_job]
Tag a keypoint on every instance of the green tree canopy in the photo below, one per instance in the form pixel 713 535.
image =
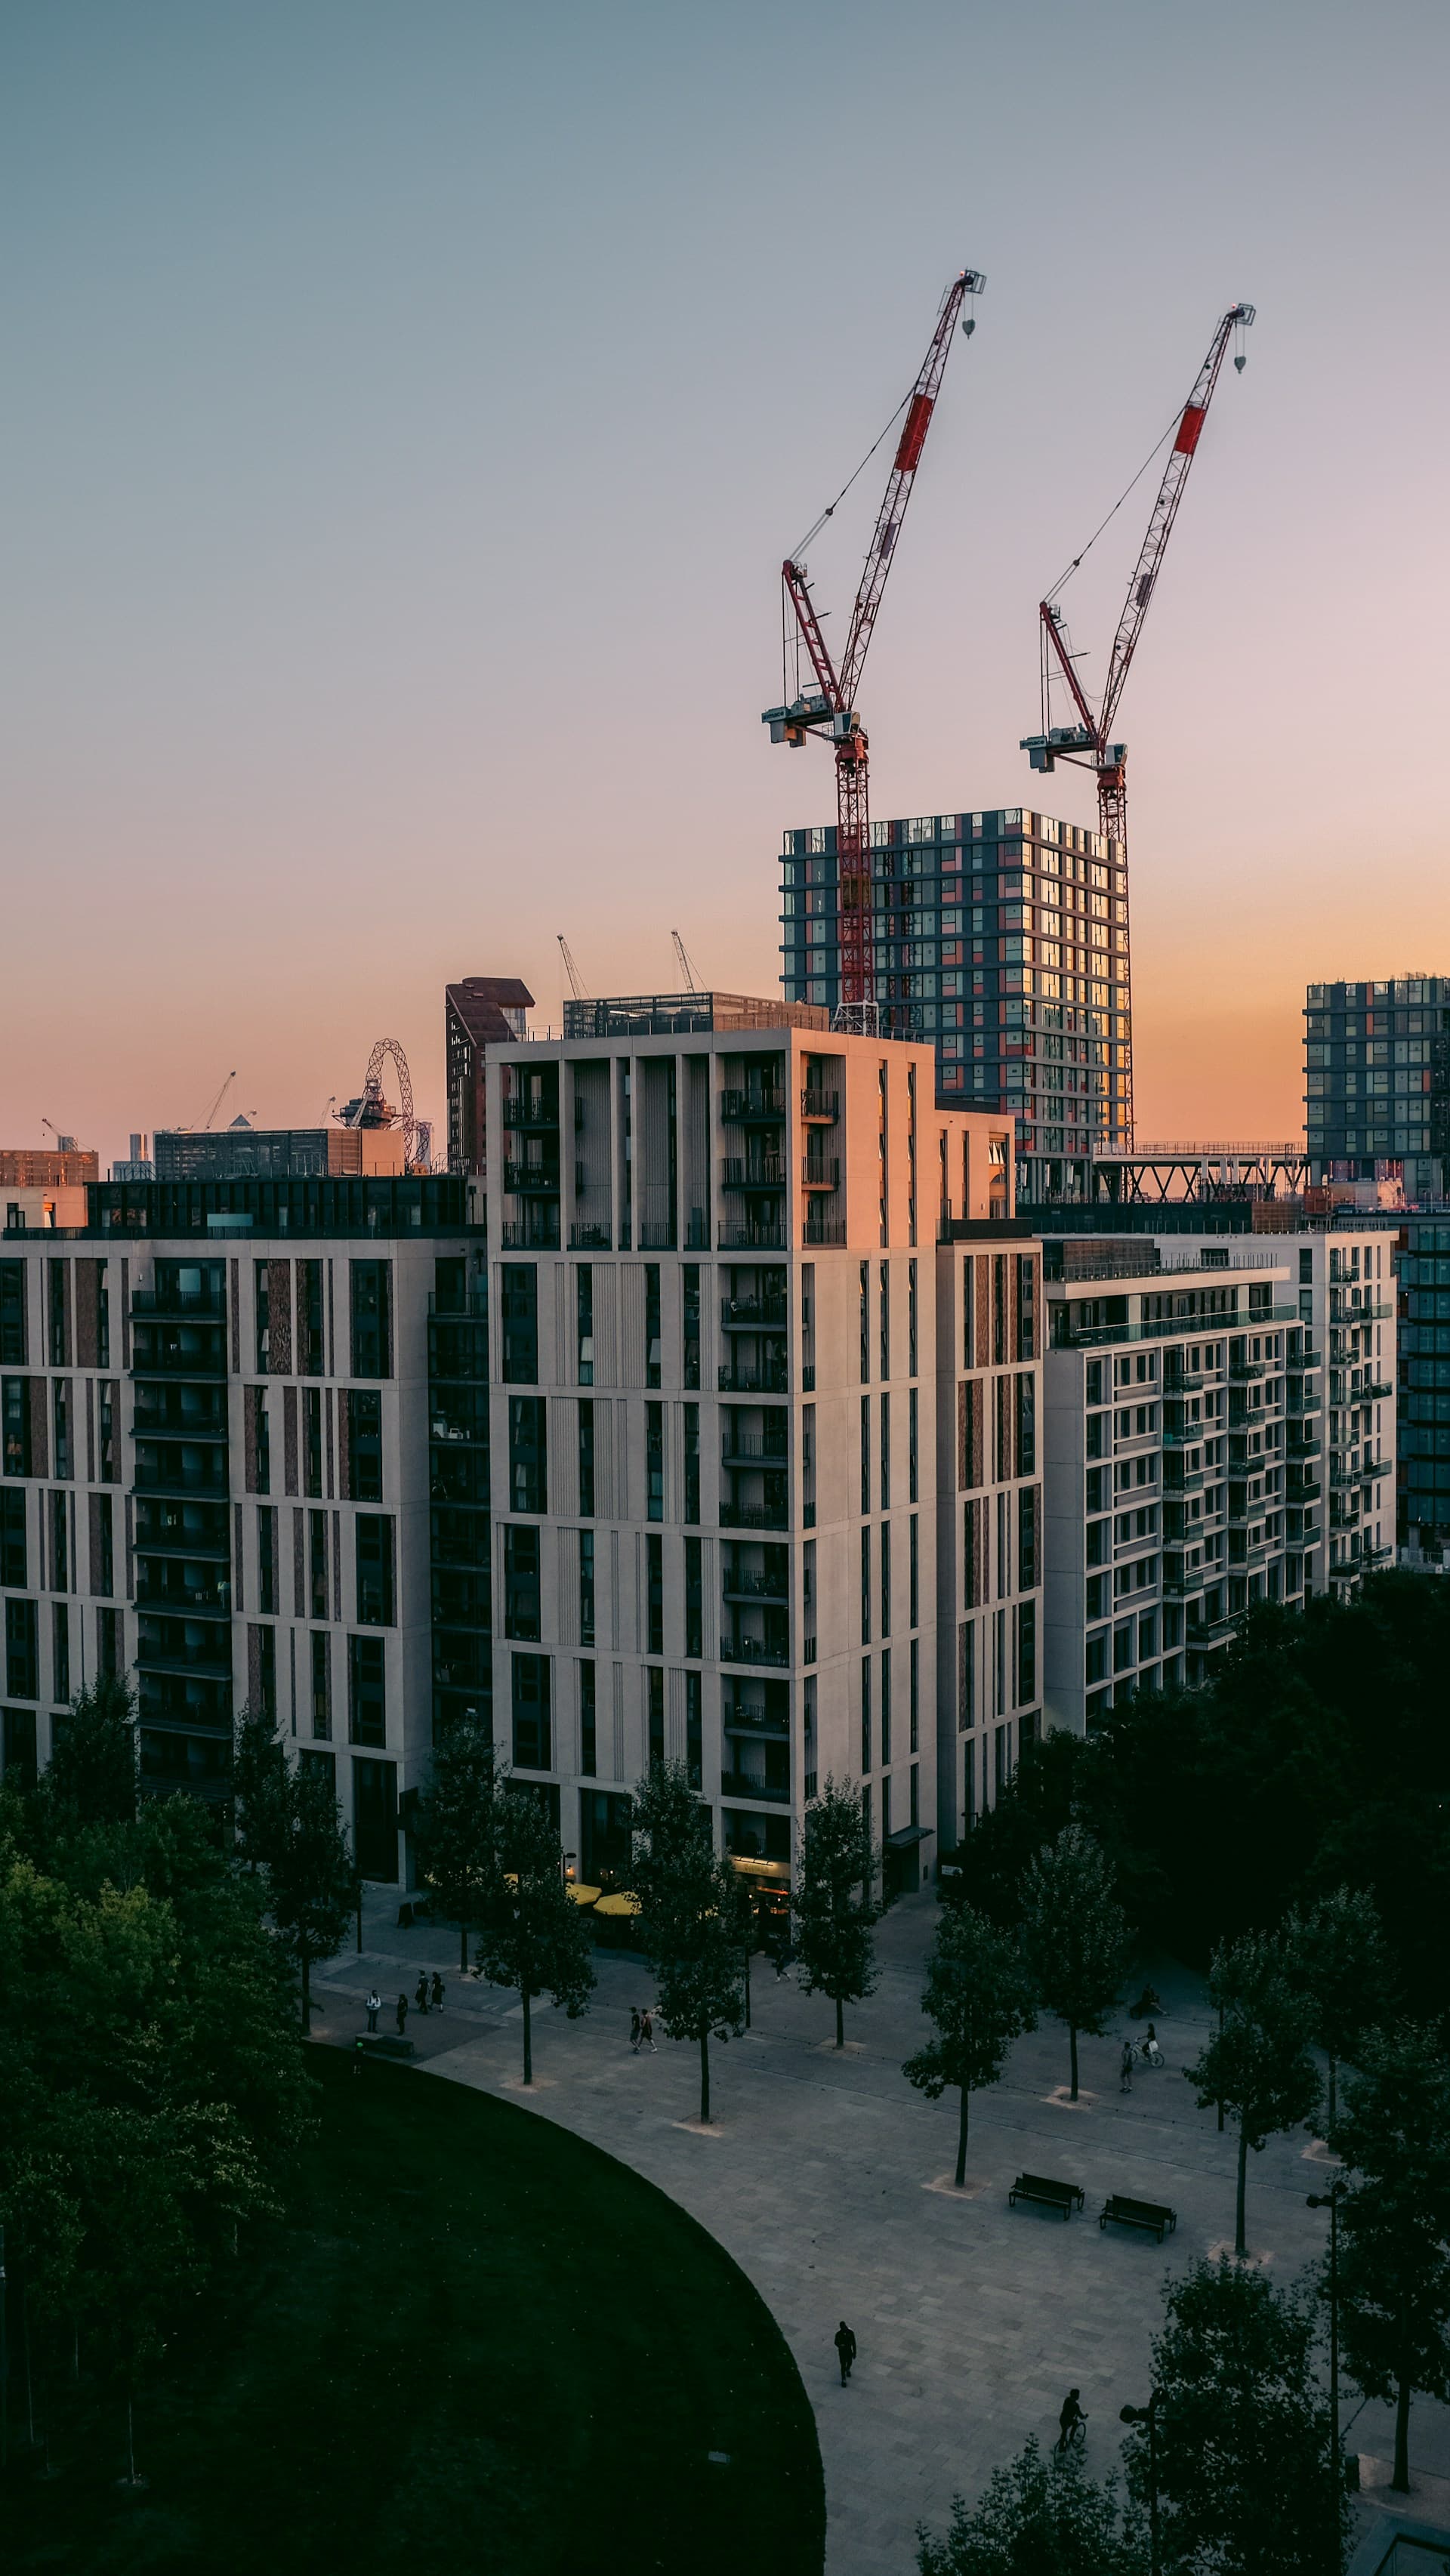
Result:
pixel 310 1874
pixel 1075 1934
pixel 1242 2428
pixel 91 1775
pixel 531 1933
pixel 1336 1956
pixel 696 1915
pixel 1039 2516
pixel 979 1996
pixel 456 1821
pixel 832 1902
pixel 1257 2064
pixel 259 1787
pixel 1393 2132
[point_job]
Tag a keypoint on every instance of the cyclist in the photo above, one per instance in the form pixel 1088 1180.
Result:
pixel 1072 2422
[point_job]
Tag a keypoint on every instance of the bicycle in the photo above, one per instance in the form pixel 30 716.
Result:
pixel 1073 2436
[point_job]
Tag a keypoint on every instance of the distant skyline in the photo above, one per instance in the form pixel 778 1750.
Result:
pixel 407 412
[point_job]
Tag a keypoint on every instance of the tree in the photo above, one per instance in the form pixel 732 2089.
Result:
pixel 1038 2517
pixel 1075 1934
pixel 1241 2428
pixel 1393 2134
pixel 832 1901
pixel 980 1998
pixel 696 1916
pixel 531 1933
pixel 91 1776
pixel 311 1877
pixel 1257 2063
pixel 259 1787
pixel 1337 1959
pixel 456 1823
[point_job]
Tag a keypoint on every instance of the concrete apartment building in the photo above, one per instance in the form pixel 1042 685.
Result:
pixel 1001 941
pixel 1377 1081
pixel 245 1461
pixel 718 1379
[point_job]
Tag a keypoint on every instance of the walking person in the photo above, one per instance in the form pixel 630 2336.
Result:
pixel 435 1993
pixel 845 2343
pixel 375 2005
pixel 647 2032
pixel 420 1991
pixel 1125 2068
pixel 402 2014
pixel 634 2030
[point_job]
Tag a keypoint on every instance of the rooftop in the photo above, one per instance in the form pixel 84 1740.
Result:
pixel 659 1015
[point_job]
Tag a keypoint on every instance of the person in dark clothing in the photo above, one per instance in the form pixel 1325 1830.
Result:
pixel 420 1991
pixel 435 1993
pixel 402 2014
pixel 1071 2421
pixel 845 2343
pixel 1125 2068
pixel 375 2005
pixel 634 2028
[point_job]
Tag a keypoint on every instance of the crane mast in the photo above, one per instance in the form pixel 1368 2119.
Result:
pixel 830 709
pixel 1088 743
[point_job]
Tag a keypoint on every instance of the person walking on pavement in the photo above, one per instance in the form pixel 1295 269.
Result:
pixel 634 2030
pixel 420 1992
pixel 435 1996
pixel 647 2032
pixel 402 2014
pixel 375 2005
pixel 1125 2068
pixel 845 2343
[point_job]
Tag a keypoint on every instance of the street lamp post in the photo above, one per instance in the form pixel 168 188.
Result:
pixel 1149 2415
pixel 1330 2200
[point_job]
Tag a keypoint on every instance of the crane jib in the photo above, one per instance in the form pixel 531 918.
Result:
pixel 1188 429
pixel 913 435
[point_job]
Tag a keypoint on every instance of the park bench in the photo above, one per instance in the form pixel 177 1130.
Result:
pixel 1053 2195
pixel 1138 2213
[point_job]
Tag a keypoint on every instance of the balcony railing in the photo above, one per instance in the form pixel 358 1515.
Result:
pixel 754 1650
pixel 163 1355
pixel 753 1238
pixel 759 1172
pixel 740 1381
pixel 530 1113
pixel 186 1304
pixel 745 1784
pixel 752 1449
pixel 210 1480
pixel 751 1108
pixel 755 1516
pixel 817 1174
pixel 824 1230
pixel 536 1236
pixel 753 1314
pixel 523 1179
pixel 755 1587
pixel 822 1105
pixel 589 1238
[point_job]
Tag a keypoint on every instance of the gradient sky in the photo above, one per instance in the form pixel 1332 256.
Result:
pixel 406 410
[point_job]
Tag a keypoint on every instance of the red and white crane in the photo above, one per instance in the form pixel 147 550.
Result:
pixel 830 708
pixel 1088 743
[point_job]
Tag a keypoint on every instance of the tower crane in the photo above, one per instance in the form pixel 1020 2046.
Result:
pixel 216 1104
pixel 577 985
pixel 830 708
pixel 1088 743
pixel 686 969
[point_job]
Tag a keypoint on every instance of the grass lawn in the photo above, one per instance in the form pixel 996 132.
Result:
pixel 482 2345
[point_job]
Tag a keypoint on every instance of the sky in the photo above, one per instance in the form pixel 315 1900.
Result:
pixel 406 411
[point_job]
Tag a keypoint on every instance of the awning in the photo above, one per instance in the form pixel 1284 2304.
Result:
pixel 906 1837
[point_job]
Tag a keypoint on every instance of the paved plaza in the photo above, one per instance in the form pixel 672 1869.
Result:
pixel 822 2177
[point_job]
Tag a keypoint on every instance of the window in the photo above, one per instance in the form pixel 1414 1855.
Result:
pixel 588 1737
pixel 692 1462
pixel 321 1685
pixel 691 1353
pixel 694 1600
pixel 1026 1424
pixel 1026 1652
pixel 364 1443
pixel 521 1323
pixel 372 1318
pixel 886 1453
pixel 375 1820
pixel 865 1713
pixel 584 1322
pixel 262 1312
pixel 915 1539
pixel 13 1352
pixel 57 1309
pixel 59 1544
pixel 12 1542
pixel 884 1319
pixel 652 1323
pixel 309 1318
pixel 913 1472
pixel 103 1572
pixel 865 1322
pixel 654 1453
pixel 586 1460
pixel 22 1654
pixel 885 1707
pixel 886 1578
pixel 521 1581
pixel 1026 1307
pixel 265 1671
pixel 267 1559
pixel 17 1746
pixel 107 1395
pixel 312 1439
pixel 1027 1538
pixel 528 1454
pixel 969 1313
pixel 655 1711
pixel 655 1580
pixel 915 1700
pixel 108 1642
pixel 366 1698
pixel 866 1585
pixel 694 1731
pixel 375 1603
pixel 60 1417
pixel 532 1730
pixel 262 1438
pixel 911 1319
pixel 317 1570
pixel 15 1406
pixel 60 1653
pixel 865 1453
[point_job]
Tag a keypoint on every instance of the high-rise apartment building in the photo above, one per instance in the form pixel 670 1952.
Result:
pixel 1376 1081
pixel 1001 941
pixel 481 1011
pixel 717 1384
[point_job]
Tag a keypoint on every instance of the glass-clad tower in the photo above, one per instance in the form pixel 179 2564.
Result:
pixel 1376 1079
pixel 1002 938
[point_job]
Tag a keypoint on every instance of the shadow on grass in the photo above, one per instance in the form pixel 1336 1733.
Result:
pixel 482 2344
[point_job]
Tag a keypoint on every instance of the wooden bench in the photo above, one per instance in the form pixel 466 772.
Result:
pixel 1138 2213
pixel 1053 2195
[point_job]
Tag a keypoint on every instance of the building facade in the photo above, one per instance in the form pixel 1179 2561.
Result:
pixel 716 1373
pixel 479 1012
pixel 1001 941
pixel 1376 1084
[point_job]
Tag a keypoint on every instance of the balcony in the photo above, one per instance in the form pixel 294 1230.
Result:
pixel 761 1381
pixel 752 1449
pixel 755 1516
pixel 752 1108
pixel 753 1315
pixel 1182 1382
pixel 823 1229
pixel 179 1302
pixel 1348 1318
pixel 1372 1470
pixel 539 1234
pixel 521 1180
pixel 818 1174
pixel 758 1722
pixel 759 1237
pixel 772 1653
pixel 1304 1444
pixel 184 1477
pixel 1299 1361
pixel 1178 1479
pixel 1191 1436
pixel 208 1599
pixel 532 1114
pixel 756 1587
pixel 590 1238
pixel 753 1172
pixel 183 1350
pixel 746 1784
pixel 1184 1586
pixel 822 1107
pixel 1208 1632
pixel 1304 1489
pixel 1246 1372
pixel 1377 1389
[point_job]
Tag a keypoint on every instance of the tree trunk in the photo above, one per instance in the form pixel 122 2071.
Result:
pixel 528 2041
pixel 1333 2070
pixel 1220 2104
pixel 1401 2479
pixel 704 2078
pixel 962 2139
pixel 463 1949
pixel 1072 2036
pixel 840 2025
pixel 1239 2246
pixel 306 1994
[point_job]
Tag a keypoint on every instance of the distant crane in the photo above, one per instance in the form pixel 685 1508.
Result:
pixel 686 969
pixel 1088 743
pixel 831 707
pixel 577 985
pixel 370 1109
pixel 216 1104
